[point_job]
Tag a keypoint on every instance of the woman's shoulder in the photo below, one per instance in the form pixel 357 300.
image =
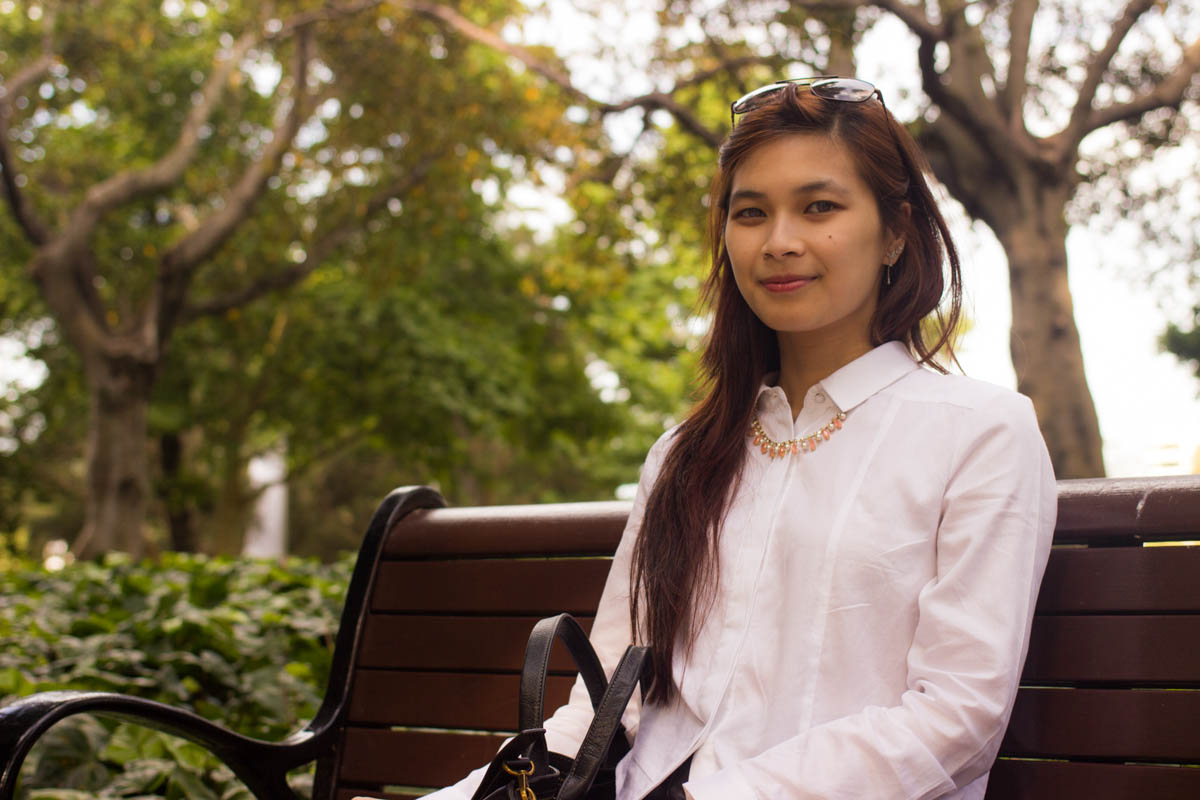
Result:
pixel 658 452
pixel 970 410
pixel 972 394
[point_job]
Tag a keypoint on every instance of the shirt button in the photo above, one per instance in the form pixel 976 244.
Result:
pixel 819 397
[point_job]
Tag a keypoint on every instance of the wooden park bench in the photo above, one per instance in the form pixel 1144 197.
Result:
pixel 424 679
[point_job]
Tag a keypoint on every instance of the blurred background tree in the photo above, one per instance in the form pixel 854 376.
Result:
pixel 253 229
pixel 1185 343
pixel 383 309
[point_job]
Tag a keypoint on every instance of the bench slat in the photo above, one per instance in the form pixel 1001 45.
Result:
pixel 1149 725
pixel 528 586
pixel 537 530
pixel 437 700
pixel 1049 780
pixel 1150 579
pixel 1099 648
pixel 1098 509
pixel 1077 580
pixel 490 644
pixel 1139 650
pixel 413 758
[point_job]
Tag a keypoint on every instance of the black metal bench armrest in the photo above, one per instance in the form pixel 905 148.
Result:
pixel 262 766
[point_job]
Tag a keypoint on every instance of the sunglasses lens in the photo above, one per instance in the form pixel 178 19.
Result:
pixel 752 100
pixel 847 90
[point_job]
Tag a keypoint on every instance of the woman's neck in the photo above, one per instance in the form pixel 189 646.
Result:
pixel 805 360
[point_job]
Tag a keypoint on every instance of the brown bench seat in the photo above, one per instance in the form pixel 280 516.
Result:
pixel 424 682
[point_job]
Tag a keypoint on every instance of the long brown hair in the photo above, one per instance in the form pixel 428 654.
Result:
pixel 675 569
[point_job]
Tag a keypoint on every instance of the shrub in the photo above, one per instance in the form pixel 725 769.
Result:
pixel 246 643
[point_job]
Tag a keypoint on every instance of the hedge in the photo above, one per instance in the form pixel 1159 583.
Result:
pixel 244 642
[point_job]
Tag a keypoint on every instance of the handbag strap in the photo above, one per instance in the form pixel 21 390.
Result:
pixel 605 724
pixel 537 664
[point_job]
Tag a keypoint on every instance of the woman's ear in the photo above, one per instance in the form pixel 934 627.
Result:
pixel 896 247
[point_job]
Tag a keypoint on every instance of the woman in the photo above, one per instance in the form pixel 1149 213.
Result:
pixel 835 557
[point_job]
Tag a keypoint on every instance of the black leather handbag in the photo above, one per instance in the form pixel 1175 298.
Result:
pixel 524 769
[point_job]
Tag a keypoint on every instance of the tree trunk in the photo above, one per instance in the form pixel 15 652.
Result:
pixel 1045 344
pixel 180 530
pixel 117 463
pixel 1024 205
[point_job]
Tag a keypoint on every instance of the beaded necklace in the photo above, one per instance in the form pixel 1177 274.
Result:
pixel 805 444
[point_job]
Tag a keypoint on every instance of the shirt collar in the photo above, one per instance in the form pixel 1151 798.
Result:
pixel 863 377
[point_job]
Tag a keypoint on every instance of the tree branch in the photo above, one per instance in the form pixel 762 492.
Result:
pixel 125 186
pixel 318 253
pixel 27 219
pixel 915 19
pixel 494 41
pixel 683 115
pixel 947 100
pixel 1078 126
pixel 911 15
pixel 730 65
pixel 1020 27
pixel 650 101
pixel 959 93
pixel 1168 92
pixel 194 247
pixel 717 48
pixel 307 18
pixel 180 262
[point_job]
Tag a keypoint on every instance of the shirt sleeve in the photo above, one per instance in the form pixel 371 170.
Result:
pixel 610 635
pixel 611 631
pixel 993 540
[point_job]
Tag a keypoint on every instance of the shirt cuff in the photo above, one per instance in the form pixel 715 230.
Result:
pixel 728 784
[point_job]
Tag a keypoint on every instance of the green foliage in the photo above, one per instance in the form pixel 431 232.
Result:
pixel 425 346
pixel 245 643
pixel 1184 345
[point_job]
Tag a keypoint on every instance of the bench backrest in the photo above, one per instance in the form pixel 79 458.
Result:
pixel 1109 707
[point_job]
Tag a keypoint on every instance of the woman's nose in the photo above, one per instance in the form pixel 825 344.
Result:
pixel 784 238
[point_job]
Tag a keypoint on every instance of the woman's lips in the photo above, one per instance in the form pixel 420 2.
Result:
pixel 786 283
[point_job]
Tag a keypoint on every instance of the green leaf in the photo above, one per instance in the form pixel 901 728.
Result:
pixel 184 784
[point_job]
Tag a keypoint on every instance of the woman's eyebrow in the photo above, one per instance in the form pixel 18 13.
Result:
pixel 823 185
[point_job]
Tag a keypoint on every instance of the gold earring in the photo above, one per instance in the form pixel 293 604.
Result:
pixel 892 256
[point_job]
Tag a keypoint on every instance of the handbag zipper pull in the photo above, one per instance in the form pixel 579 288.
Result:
pixel 523 790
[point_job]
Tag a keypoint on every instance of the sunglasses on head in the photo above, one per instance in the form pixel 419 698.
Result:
pixel 842 90
pixel 827 87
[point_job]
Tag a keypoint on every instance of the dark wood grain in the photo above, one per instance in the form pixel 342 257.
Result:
pixel 543 529
pixel 1152 724
pixel 413 758
pixel 538 586
pixel 1099 509
pixel 490 644
pixel 1142 650
pixel 1049 780
pixel 444 700
pixel 1108 579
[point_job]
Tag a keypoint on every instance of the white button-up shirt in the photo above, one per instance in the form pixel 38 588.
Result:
pixel 874 603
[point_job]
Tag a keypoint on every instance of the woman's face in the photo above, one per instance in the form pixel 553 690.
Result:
pixel 806 240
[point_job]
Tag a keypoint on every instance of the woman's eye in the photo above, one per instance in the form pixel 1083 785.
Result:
pixel 822 206
pixel 743 213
